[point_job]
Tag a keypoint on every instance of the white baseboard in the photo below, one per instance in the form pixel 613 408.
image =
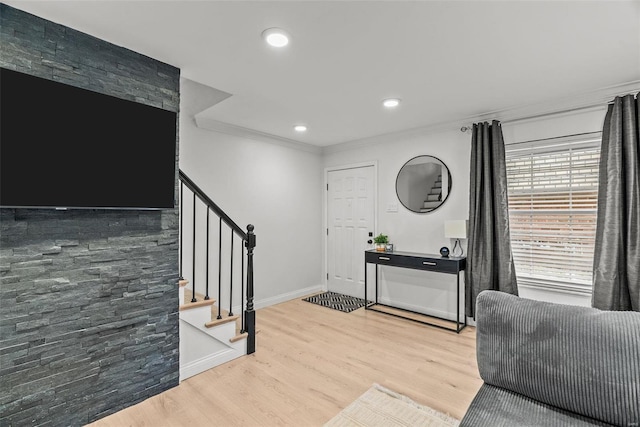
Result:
pixel 266 302
pixel 208 362
pixel 427 311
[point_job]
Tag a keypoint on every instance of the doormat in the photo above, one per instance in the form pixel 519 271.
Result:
pixel 336 301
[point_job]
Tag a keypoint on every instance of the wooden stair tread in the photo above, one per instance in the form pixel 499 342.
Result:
pixel 214 314
pixel 201 303
pixel 216 322
pixel 240 336
pixel 214 309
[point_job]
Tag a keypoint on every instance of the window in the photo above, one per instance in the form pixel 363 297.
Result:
pixel 553 198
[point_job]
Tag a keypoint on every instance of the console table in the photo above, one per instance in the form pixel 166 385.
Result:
pixel 416 261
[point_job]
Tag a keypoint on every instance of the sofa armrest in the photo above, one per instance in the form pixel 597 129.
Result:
pixel 579 359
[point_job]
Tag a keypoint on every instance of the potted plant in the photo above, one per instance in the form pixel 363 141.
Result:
pixel 381 241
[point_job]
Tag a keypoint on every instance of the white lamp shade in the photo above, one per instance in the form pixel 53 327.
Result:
pixel 455 229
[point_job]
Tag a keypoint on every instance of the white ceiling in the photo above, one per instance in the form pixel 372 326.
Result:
pixel 447 60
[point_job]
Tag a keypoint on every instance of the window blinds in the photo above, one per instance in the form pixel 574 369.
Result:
pixel 553 196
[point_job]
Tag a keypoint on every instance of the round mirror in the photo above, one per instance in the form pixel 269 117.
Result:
pixel 423 184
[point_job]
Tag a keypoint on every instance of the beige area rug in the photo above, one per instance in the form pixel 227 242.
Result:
pixel 380 406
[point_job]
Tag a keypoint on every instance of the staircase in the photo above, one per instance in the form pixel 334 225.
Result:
pixel 211 335
pixel 205 341
pixel 434 197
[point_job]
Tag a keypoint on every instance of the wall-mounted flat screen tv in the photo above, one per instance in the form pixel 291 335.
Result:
pixel 67 147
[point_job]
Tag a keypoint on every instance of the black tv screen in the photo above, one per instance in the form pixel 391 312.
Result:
pixel 67 147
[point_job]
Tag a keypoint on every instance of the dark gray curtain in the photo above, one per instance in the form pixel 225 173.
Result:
pixel 489 257
pixel 616 264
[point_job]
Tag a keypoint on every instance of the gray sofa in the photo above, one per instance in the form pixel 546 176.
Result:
pixel 546 364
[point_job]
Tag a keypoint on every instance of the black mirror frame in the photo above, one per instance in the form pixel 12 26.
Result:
pixel 449 187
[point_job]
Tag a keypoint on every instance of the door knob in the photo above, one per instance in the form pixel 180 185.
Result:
pixel 369 241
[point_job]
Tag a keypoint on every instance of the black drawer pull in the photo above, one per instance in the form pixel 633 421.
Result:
pixel 429 263
pixel 383 258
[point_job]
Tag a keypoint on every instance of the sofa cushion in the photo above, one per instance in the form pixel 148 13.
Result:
pixel 578 359
pixel 497 407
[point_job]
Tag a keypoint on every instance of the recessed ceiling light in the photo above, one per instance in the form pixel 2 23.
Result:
pixel 276 37
pixel 391 102
pixel 300 128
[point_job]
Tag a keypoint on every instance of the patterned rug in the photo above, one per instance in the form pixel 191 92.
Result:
pixel 336 301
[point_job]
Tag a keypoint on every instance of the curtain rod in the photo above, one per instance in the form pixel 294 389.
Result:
pixel 466 128
pixel 591 134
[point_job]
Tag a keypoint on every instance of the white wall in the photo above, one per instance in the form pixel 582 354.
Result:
pixel 280 190
pixel 551 126
pixel 273 187
pixel 432 293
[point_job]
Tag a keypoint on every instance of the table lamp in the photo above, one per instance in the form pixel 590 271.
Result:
pixel 456 229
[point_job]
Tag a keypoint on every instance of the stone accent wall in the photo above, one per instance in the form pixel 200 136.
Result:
pixel 88 298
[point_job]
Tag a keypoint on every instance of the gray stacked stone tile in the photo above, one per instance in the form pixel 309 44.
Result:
pixel 88 298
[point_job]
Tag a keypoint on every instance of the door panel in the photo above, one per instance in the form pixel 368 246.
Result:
pixel 350 219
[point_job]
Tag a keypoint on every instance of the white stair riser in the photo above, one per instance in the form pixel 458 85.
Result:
pixel 197 315
pixel 203 348
pixel 200 351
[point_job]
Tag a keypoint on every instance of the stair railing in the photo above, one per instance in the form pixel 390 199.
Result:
pixel 247 315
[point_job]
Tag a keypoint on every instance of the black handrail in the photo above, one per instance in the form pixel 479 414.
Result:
pixel 212 205
pixel 248 315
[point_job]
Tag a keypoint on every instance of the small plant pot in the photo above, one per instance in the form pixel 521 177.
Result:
pixel 380 247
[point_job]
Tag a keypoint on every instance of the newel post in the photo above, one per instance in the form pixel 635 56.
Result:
pixel 250 314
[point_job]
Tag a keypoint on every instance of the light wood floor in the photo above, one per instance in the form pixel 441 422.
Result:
pixel 310 363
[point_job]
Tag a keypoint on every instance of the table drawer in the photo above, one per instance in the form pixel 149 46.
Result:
pixel 418 263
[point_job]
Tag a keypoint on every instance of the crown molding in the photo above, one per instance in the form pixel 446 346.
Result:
pixel 595 99
pixel 592 100
pixel 239 131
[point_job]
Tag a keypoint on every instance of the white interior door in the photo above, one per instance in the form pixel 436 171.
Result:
pixel 350 219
